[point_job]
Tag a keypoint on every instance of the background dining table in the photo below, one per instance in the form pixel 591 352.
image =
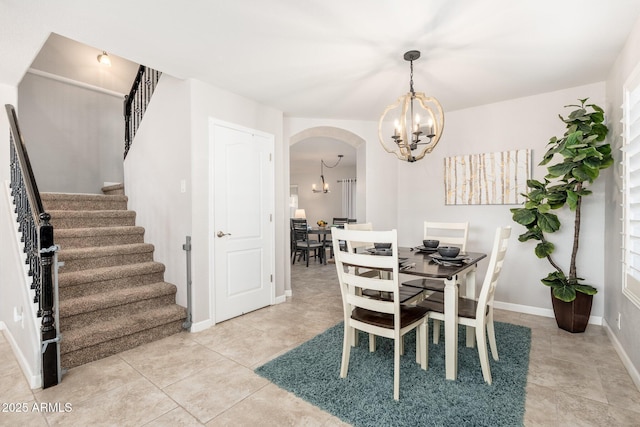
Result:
pixel 423 265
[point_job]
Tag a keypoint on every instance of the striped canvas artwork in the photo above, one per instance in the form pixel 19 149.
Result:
pixel 487 179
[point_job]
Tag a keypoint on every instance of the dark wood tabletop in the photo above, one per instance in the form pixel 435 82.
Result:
pixel 426 267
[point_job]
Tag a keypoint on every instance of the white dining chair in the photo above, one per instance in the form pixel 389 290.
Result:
pixel 477 314
pixel 449 234
pixel 385 318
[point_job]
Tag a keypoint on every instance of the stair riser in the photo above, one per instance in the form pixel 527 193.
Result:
pixel 83 205
pixel 114 192
pixel 109 348
pixel 104 261
pixel 91 241
pixel 108 314
pixel 95 221
pixel 92 288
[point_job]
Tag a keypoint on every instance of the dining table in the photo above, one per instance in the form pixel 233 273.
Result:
pixel 419 263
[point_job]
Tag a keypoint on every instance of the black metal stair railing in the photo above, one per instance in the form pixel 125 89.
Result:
pixel 37 236
pixel 135 104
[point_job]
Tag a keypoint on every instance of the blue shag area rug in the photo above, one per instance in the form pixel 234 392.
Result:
pixel 365 397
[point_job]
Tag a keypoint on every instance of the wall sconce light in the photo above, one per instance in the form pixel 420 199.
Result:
pixel 104 59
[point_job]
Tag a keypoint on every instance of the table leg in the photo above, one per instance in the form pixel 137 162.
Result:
pixel 451 327
pixel 324 248
pixel 470 292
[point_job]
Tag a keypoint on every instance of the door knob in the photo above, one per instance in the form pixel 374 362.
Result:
pixel 221 234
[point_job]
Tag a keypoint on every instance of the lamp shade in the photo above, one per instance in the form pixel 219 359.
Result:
pixel 300 213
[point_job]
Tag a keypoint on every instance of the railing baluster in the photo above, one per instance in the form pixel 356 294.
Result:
pixel 135 104
pixel 37 235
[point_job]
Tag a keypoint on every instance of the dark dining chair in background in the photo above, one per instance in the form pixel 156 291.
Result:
pixel 302 245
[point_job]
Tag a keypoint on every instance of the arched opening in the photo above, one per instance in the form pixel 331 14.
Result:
pixel 307 149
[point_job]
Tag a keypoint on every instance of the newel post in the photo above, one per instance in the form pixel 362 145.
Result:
pixel 48 328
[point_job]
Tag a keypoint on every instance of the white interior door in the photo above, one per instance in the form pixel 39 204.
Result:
pixel 243 232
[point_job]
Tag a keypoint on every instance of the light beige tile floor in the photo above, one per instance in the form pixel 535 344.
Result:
pixel 207 378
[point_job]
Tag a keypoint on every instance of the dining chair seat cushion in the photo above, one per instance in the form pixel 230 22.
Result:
pixel 428 284
pixel 408 315
pixel 310 244
pixel 406 294
pixel 370 273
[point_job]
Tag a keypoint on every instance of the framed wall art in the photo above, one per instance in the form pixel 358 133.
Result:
pixel 488 178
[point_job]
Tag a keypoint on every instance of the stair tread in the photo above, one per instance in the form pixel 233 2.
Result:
pixel 81 196
pixel 114 298
pixel 114 213
pixel 99 332
pixel 102 251
pixel 99 231
pixel 108 273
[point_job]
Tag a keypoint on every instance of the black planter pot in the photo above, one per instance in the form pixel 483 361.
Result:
pixel 572 316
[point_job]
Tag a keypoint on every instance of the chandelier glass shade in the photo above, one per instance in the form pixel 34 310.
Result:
pixel 411 127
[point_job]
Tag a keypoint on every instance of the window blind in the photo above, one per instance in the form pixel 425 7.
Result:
pixel 631 206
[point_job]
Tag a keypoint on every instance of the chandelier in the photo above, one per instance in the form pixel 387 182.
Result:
pixel 418 125
pixel 325 185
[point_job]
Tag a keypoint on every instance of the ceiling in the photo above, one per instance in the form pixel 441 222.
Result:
pixel 339 59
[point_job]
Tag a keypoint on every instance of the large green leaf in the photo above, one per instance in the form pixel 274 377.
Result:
pixel 555 279
pixel 536 195
pixel 523 216
pixel 533 234
pixel 543 249
pixel 565 293
pixel 560 169
pixel 548 222
pixel 577 113
pixel 532 183
pixel 586 289
pixel 572 200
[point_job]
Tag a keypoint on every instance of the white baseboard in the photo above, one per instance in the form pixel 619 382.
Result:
pixel 288 293
pixel 35 380
pixel 201 326
pixel 280 299
pixel 633 372
pixel 545 312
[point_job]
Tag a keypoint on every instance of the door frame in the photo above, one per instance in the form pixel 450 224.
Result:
pixel 211 214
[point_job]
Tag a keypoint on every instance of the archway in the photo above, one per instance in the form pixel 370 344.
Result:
pixel 319 141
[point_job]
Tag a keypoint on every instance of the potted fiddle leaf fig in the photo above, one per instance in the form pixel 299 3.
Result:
pixel 573 164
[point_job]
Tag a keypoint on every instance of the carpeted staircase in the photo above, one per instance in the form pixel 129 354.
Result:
pixel 112 294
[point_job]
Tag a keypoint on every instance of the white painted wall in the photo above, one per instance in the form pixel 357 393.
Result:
pixel 323 206
pixel 615 301
pixel 158 160
pixel 75 136
pixel 23 334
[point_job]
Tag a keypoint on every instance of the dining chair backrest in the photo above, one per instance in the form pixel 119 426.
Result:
pixel 448 233
pixel 496 260
pixel 340 221
pixel 299 229
pixel 351 283
pixel 353 246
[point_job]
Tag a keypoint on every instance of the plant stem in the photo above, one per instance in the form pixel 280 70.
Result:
pixel 556 266
pixel 576 235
